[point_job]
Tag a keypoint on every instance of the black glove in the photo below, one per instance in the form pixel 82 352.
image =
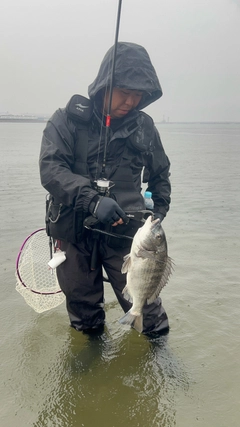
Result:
pixel 158 215
pixel 106 210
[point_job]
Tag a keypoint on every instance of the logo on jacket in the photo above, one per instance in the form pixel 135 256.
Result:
pixel 81 107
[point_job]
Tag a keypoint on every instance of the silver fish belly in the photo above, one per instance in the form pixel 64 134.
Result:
pixel 148 268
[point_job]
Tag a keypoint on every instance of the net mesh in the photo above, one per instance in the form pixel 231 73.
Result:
pixel 36 282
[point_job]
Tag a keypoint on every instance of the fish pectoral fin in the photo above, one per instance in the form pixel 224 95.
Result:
pixel 126 264
pixel 145 254
pixel 126 294
pixel 164 279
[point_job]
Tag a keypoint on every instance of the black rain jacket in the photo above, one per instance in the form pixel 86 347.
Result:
pixel 134 138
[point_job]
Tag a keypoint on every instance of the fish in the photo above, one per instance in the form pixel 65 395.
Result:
pixel 148 268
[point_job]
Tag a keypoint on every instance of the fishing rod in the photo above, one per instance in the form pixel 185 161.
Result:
pixel 108 116
pixel 103 185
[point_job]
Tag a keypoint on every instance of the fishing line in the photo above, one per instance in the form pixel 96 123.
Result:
pixel 108 115
pixel 102 174
pixel 97 173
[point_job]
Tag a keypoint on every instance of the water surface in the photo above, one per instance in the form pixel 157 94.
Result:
pixel 53 376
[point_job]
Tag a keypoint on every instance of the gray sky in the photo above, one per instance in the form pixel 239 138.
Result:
pixel 52 49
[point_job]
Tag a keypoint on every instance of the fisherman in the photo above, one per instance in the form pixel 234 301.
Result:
pixel 75 158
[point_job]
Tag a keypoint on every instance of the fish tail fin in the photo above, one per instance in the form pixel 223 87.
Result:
pixel 132 320
pixel 138 323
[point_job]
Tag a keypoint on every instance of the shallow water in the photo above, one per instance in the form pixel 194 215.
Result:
pixel 53 376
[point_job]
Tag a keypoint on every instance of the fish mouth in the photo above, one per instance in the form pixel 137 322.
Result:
pixel 154 222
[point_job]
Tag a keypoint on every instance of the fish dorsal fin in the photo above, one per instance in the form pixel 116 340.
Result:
pixel 126 264
pixel 164 279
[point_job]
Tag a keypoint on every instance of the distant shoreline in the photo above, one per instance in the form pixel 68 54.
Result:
pixel 44 120
pixel 197 123
pixel 22 120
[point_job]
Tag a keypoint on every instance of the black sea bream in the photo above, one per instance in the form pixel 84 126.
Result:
pixel 148 268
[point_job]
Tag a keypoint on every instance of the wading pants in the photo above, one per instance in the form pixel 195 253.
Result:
pixel 84 288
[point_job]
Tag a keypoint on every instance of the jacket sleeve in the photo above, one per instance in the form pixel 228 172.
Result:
pixel 56 164
pixel 157 174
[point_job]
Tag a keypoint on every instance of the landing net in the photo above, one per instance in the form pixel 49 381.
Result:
pixel 36 281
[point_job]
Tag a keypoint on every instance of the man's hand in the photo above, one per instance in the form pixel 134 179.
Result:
pixel 107 210
pixel 158 215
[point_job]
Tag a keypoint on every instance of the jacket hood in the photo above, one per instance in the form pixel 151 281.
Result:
pixel 133 70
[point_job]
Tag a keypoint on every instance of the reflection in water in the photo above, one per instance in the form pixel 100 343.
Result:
pixel 115 379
